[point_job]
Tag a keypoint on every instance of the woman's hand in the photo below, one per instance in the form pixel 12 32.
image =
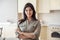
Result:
pixel 22 36
pixel 17 30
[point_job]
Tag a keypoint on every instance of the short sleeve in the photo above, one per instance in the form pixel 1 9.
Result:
pixel 38 29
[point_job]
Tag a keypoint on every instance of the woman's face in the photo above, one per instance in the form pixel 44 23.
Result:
pixel 29 12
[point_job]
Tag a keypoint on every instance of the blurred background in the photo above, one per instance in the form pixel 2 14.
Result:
pixel 47 12
pixel 8 18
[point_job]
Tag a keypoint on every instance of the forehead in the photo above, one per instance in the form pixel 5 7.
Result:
pixel 28 7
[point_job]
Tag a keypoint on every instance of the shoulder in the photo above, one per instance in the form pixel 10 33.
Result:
pixel 38 24
pixel 20 21
pixel 37 20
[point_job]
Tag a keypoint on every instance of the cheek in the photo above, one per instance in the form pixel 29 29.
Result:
pixel 26 13
pixel 31 14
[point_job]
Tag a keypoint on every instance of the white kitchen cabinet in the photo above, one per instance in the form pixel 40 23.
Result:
pixel 55 5
pixel 21 4
pixel 44 6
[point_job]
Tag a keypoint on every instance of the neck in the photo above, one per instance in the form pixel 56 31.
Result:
pixel 29 19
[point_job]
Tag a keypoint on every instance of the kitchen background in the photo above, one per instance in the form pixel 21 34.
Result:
pixel 47 11
pixel 8 18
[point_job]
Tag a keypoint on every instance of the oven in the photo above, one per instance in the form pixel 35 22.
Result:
pixel 53 32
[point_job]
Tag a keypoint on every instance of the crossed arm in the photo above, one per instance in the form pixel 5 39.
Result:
pixel 24 35
pixel 32 35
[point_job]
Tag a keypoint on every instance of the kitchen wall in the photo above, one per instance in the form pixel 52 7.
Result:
pixel 52 18
pixel 8 10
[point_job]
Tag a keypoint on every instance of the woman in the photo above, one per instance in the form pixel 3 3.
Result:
pixel 29 27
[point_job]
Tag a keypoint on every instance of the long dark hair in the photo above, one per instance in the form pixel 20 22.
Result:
pixel 24 14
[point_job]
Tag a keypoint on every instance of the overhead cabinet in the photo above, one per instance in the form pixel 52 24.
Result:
pixel 54 4
pixel 44 6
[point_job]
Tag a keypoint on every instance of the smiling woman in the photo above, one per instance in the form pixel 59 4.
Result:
pixel 29 27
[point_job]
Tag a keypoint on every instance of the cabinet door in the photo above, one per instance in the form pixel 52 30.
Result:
pixel 55 4
pixel 21 4
pixel 44 6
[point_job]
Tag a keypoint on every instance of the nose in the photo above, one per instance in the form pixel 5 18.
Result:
pixel 28 12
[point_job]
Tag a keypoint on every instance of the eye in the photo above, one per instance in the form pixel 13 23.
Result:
pixel 30 10
pixel 26 10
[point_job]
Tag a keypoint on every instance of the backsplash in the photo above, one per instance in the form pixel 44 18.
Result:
pixel 51 18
